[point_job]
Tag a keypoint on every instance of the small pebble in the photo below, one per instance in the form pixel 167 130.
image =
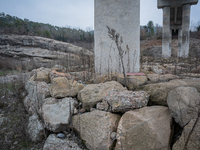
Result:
pixel 15 143
pixel 61 136
pixel 113 135
pixel 82 111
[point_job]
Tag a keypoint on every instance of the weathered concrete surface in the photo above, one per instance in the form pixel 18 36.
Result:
pixel 185 31
pixel 165 3
pixel 166 33
pixel 124 17
pixel 176 17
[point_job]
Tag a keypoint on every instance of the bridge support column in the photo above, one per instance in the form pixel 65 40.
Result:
pixel 166 35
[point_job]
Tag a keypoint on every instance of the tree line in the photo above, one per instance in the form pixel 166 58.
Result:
pixel 14 25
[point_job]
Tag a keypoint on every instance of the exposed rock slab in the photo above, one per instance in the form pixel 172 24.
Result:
pixel 123 101
pixel 159 91
pixel 184 104
pixel 62 87
pixel 145 128
pixel 95 128
pixel 132 81
pixel 56 113
pixel 94 93
pixel 35 129
pixel 54 143
pixel 189 139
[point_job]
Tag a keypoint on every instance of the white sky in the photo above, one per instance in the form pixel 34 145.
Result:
pixel 77 13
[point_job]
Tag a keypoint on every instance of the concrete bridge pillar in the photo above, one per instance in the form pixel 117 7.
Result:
pixel 166 35
pixel 185 31
pixel 176 16
pixel 179 43
pixel 124 17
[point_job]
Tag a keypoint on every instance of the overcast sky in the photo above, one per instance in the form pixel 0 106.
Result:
pixel 77 13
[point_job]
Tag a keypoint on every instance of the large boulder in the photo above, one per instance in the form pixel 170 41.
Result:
pixel 56 113
pixel 132 81
pixel 37 92
pixel 184 104
pixel 62 87
pixel 94 93
pixel 54 143
pixel 95 128
pixel 35 129
pixel 159 91
pixel 145 128
pixel 189 139
pixel 123 101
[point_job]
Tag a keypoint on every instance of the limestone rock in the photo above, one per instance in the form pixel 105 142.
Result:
pixel 35 129
pixel 42 76
pixel 145 128
pixel 161 78
pixel 95 128
pixel 30 51
pixel 132 82
pixel 56 73
pixel 184 104
pixel 37 92
pixel 54 143
pixel 159 91
pixel 190 137
pixel 103 106
pixel 62 87
pixel 56 113
pixel 94 93
pixel 59 67
pixel 105 78
pixel 123 101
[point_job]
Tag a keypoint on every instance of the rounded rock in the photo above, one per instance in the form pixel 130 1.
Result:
pixel 61 135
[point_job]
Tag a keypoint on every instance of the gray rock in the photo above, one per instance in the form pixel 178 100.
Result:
pixel 123 101
pixel 54 143
pixel 57 113
pixel 95 128
pixel 184 104
pixel 103 106
pixel 94 93
pixel 148 128
pixel 159 91
pixel 35 129
pixel 61 135
pixel 37 92
pixel 190 136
